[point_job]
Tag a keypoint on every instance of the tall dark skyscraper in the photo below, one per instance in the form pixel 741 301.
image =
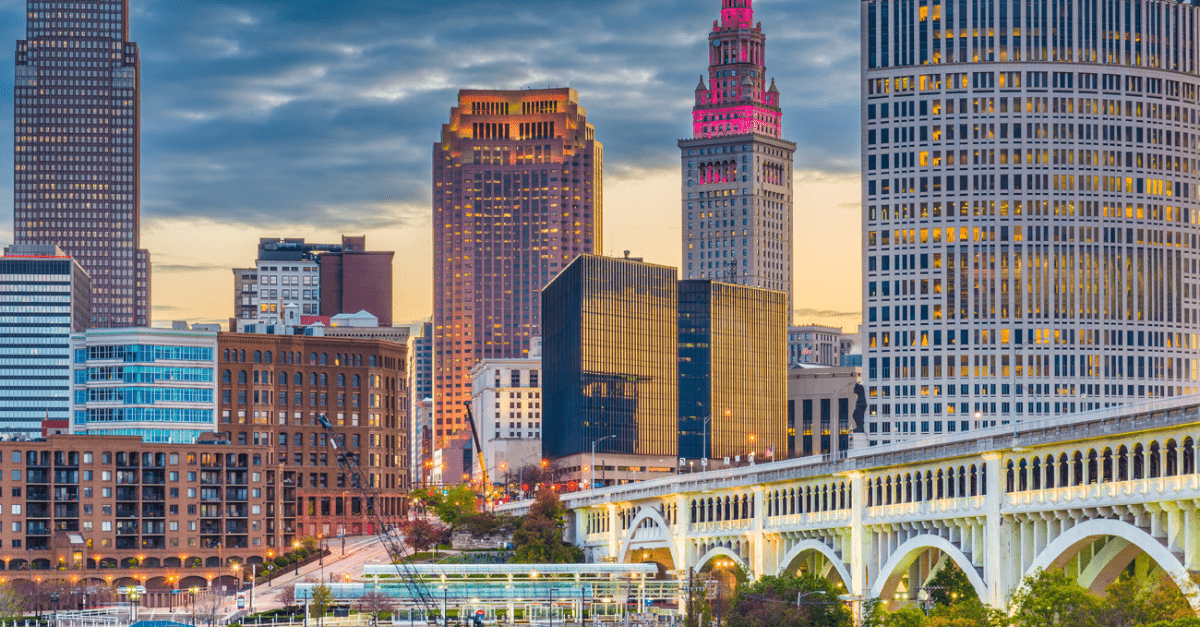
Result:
pixel 76 162
pixel 516 196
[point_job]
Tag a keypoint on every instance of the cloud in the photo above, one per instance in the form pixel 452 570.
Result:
pixel 183 267
pixel 314 111
pixel 827 313
pixel 287 117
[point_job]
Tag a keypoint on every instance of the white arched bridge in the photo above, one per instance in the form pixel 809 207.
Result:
pixel 1096 494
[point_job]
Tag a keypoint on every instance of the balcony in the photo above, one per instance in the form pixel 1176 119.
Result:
pixel 127 511
pixel 37 493
pixel 127 542
pixel 64 510
pixel 37 510
pixel 154 477
pixel 37 476
pixel 154 494
pixel 154 542
pixel 127 494
pixel 154 510
pixel 210 527
pixel 69 494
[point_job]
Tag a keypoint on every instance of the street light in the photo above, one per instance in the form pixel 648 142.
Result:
pixel 800 596
pixel 592 485
pixel 195 590
pixel 133 598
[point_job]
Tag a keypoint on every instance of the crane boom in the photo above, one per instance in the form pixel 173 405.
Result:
pixel 388 532
pixel 487 485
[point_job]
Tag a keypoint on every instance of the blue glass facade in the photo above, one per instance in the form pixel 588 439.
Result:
pixel 44 297
pixel 154 383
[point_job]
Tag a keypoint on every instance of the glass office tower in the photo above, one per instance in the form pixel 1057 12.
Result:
pixel 1029 207
pixel 732 371
pixel 610 359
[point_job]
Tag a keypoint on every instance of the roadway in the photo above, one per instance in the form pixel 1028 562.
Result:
pixel 359 551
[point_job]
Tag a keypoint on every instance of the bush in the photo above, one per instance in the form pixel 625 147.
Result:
pixel 281 561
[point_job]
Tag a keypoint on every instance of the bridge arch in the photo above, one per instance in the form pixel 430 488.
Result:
pixel 721 551
pixel 667 542
pixel 1128 541
pixel 805 546
pixel 903 557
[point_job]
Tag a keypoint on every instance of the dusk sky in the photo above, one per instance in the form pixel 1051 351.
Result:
pixel 314 118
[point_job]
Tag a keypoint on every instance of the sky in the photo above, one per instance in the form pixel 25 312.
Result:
pixel 317 118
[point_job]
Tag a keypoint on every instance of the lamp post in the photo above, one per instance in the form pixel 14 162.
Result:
pixel 194 590
pixel 133 598
pixel 54 615
pixel 296 546
pixel 592 484
pixel 345 507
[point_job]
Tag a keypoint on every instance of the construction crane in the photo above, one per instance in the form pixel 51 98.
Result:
pixel 388 532
pixel 487 485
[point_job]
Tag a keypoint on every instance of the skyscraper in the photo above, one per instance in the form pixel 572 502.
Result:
pixel 1029 207
pixel 77 133
pixel 737 168
pixel 517 196
pixel 610 368
pixel 732 371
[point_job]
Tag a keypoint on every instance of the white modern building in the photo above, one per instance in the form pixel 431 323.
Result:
pixel 506 400
pixel 159 384
pixel 44 297
pixel 1029 209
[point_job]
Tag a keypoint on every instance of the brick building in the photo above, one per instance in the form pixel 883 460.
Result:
pixel 273 387
pixel 91 507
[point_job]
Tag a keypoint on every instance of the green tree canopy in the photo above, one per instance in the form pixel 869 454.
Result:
pixel 538 540
pixel 771 601
pixel 950 585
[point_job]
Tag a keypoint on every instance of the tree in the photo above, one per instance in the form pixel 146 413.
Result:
pixel 375 604
pixel 12 603
pixel 208 608
pixel 1129 602
pixel 287 595
pixel 457 503
pixel 772 602
pixel 322 599
pixel 421 535
pixel 538 540
pixel 970 612
pixel 1049 597
pixel 950 585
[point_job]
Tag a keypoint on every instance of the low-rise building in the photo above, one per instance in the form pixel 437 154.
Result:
pixel 117 510
pixel 506 403
pixel 820 409
pixel 157 384
pixel 272 390
pixel 815 345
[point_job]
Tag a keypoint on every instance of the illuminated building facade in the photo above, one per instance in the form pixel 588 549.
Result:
pixel 732 368
pixel 610 367
pixel 517 196
pixel 737 168
pixel 1029 209
pixel 77 129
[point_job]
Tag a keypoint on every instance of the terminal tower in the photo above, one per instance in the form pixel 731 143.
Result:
pixel 737 168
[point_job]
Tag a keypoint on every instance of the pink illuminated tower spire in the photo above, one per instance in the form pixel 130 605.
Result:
pixel 739 100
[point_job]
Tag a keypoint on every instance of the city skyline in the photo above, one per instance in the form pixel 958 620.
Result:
pixel 275 104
